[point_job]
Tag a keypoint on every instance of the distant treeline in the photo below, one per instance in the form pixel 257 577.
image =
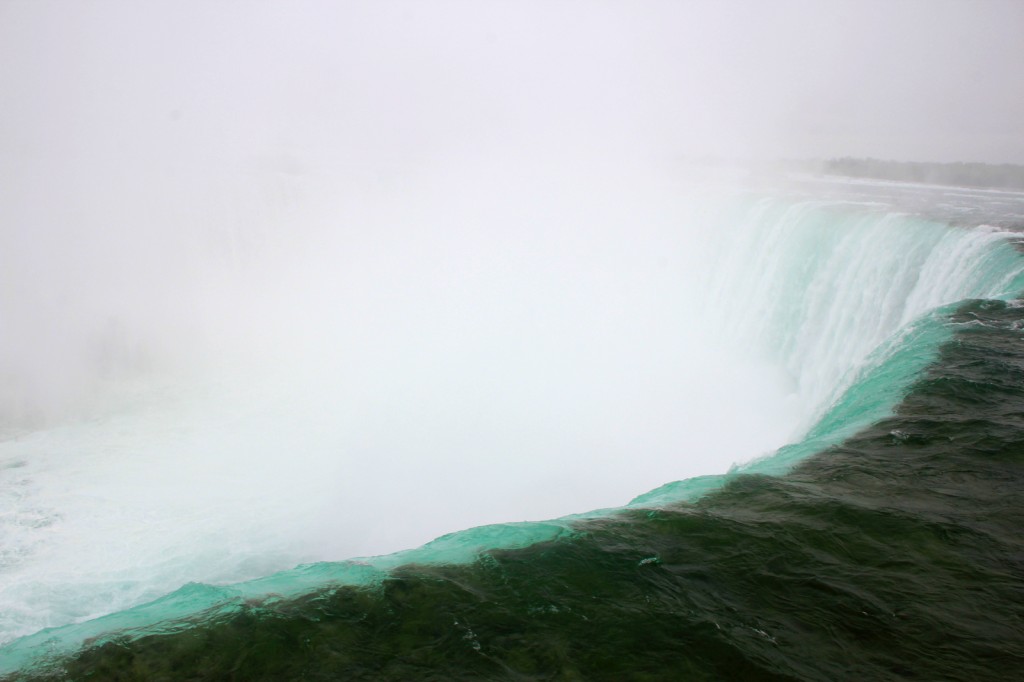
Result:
pixel 1007 176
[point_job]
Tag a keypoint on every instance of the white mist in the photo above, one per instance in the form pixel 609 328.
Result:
pixel 484 346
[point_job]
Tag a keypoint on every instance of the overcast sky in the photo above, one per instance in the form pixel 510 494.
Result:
pixel 403 81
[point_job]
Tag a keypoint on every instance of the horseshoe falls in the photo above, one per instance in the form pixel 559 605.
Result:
pixel 509 430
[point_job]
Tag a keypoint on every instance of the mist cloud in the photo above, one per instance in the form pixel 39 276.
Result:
pixel 167 169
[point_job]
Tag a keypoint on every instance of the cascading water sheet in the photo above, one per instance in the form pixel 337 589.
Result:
pixel 231 480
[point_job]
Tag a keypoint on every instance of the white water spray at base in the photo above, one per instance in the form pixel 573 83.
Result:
pixel 494 351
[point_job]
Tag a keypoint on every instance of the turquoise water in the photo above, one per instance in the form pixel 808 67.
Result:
pixel 895 555
pixel 707 577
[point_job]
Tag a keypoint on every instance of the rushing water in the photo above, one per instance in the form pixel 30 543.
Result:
pixel 879 544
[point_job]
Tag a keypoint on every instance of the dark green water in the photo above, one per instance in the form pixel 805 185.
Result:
pixel 896 555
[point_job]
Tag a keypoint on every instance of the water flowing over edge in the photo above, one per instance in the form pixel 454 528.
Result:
pixel 861 249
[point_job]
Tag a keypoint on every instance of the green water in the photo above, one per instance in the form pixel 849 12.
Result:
pixel 895 554
pixel 870 548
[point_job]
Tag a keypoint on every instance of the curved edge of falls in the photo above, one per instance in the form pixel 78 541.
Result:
pixel 905 339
